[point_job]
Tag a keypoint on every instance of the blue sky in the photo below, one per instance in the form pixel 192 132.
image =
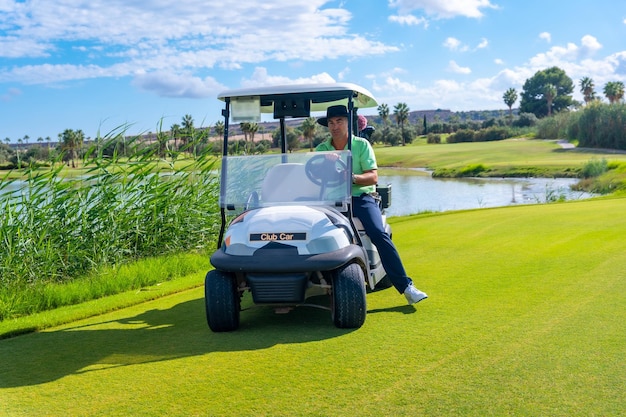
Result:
pixel 97 65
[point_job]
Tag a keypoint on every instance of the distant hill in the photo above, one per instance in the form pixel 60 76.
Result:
pixel 444 115
pixel 415 117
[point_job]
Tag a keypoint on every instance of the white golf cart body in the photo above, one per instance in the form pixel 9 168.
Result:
pixel 292 235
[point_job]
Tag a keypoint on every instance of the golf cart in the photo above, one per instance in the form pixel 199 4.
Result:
pixel 287 232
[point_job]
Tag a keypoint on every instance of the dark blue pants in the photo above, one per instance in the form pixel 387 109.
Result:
pixel 367 210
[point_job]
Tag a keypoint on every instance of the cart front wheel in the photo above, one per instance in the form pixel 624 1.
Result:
pixel 221 301
pixel 348 297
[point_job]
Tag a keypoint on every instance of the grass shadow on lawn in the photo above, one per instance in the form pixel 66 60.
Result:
pixel 150 336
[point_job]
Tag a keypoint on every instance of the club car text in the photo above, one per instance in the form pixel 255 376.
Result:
pixel 273 237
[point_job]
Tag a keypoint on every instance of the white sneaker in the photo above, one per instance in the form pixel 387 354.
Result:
pixel 413 295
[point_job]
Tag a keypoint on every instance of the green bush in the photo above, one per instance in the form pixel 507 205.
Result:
pixel 491 134
pixel 602 126
pixel 554 127
pixel 594 168
pixel 463 135
pixel 525 120
pixel 433 138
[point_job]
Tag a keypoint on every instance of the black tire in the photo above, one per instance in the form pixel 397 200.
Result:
pixel 221 301
pixel 348 297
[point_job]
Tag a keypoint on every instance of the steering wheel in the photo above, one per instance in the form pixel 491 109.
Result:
pixel 325 171
pixel 253 201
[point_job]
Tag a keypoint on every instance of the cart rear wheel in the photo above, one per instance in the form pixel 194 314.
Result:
pixel 348 297
pixel 221 301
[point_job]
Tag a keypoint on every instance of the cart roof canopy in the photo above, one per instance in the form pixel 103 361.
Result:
pixel 293 100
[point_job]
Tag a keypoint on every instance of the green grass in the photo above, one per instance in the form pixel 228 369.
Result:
pixel 28 308
pixel 525 318
pixel 502 158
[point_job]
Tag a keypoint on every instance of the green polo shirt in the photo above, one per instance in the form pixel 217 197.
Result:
pixel 363 159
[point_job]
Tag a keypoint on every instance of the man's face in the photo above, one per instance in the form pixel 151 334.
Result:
pixel 338 127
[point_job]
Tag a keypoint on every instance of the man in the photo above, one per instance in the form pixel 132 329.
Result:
pixel 364 206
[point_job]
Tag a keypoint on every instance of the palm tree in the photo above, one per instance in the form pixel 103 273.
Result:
pixel 71 141
pixel 162 140
pixel 309 126
pixel 587 87
pixel 549 93
pixel 253 127
pixel 174 133
pixel 245 129
pixel 187 128
pixel 383 112
pixel 614 91
pixel 219 128
pixel 401 112
pixel 510 97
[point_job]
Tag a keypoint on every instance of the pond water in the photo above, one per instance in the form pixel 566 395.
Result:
pixel 415 194
pixel 411 194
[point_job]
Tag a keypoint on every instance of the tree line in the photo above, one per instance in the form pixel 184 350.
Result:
pixel 547 94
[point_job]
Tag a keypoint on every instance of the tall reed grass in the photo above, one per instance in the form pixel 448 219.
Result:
pixel 56 228
pixel 597 125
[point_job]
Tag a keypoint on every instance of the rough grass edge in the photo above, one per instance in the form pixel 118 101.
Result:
pixel 163 285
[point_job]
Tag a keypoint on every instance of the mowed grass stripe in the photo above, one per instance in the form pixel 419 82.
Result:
pixel 525 317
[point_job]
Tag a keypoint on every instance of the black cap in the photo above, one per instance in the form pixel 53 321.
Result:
pixel 333 111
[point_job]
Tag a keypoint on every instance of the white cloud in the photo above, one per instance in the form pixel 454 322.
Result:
pixel 343 73
pixel 498 61
pixel 409 20
pixel 396 87
pixel 15 47
pixel 590 45
pixel 457 69
pixel 545 36
pixel 454 44
pixel 261 77
pixel 555 55
pixel 118 37
pixel 483 44
pixel 444 9
pixel 167 84
pixel 395 71
pixel 59 73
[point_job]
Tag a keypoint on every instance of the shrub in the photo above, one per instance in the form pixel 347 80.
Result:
pixel 463 135
pixel 491 134
pixel 594 168
pixel 525 120
pixel 488 123
pixel 433 138
pixel 553 127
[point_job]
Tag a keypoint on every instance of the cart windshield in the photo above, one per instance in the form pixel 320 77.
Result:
pixel 312 179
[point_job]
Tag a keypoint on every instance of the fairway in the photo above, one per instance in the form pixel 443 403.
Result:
pixel 526 317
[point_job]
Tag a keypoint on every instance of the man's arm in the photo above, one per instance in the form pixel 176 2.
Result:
pixel 369 177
